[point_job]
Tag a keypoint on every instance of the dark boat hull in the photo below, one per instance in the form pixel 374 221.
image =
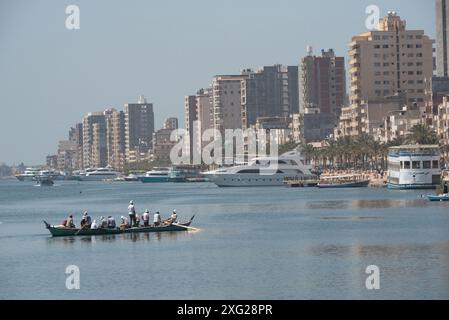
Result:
pixel 358 184
pixel 71 232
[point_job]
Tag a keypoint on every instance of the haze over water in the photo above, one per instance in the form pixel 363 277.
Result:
pixel 253 243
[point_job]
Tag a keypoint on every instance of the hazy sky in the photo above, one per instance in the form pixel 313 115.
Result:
pixel 51 76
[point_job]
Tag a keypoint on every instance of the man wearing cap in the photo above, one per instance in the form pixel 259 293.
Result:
pixel 146 218
pixel 86 221
pixel 132 213
pixel 157 219
pixel 173 217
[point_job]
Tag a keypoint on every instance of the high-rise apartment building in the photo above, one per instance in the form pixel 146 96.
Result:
pixel 116 142
pixel 442 41
pixel 171 123
pixel 139 126
pixel 391 60
pixel 271 91
pixel 199 116
pixel 94 140
pixel 322 83
pixel 191 116
pixel 226 102
pixel 76 135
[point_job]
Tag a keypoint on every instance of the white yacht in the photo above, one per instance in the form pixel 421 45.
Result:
pixel 50 174
pixel 414 167
pixel 99 174
pixel 262 171
pixel 28 175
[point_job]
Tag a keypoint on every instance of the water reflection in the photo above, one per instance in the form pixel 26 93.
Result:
pixel 387 251
pixel 368 204
pixel 134 237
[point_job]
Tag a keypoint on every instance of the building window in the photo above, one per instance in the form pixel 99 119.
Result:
pixel 406 164
pixel 426 165
pixel 435 164
pixel 416 164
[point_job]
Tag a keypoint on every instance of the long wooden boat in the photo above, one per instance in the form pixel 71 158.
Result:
pixel 343 181
pixel 352 184
pixel 59 231
pixel 440 197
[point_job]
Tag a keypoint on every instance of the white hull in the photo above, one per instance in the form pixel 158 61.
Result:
pixel 25 178
pixel 261 172
pixel 250 180
pixel 98 177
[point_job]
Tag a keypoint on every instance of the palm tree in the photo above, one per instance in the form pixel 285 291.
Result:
pixel 422 134
pixel 308 152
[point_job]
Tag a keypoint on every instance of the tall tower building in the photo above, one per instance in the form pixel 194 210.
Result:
pixel 198 108
pixel 139 126
pixel 272 91
pixel 76 135
pixel 442 41
pixel 94 140
pixel 190 116
pixel 322 83
pixel 226 102
pixel 116 143
pixel 389 61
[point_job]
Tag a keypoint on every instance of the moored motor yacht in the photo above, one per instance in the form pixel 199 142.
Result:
pixel 262 171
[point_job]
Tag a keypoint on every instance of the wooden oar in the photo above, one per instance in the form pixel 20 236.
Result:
pixel 84 227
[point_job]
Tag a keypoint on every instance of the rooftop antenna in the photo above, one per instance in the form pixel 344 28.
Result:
pixel 309 50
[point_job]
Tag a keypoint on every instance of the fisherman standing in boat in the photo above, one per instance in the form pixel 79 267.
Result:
pixel 157 219
pixel 137 224
pixel 146 218
pixel 132 213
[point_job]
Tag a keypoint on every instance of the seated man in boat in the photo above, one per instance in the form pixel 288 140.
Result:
pixel 111 222
pixel 103 223
pixel 157 219
pixel 86 221
pixel 173 218
pixel 146 218
pixel 123 223
pixel 69 222
pixel 94 225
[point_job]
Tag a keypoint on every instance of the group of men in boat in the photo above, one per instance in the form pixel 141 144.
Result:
pixel 135 220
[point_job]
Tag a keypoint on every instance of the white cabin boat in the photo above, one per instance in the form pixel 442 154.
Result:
pixel 414 167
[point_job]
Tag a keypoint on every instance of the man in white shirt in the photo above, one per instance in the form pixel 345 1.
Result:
pixel 132 213
pixel 157 219
pixel 146 218
pixel 94 225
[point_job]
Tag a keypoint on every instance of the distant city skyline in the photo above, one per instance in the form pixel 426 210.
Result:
pixel 50 77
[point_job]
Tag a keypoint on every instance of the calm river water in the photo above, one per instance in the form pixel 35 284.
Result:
pixel 252 243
